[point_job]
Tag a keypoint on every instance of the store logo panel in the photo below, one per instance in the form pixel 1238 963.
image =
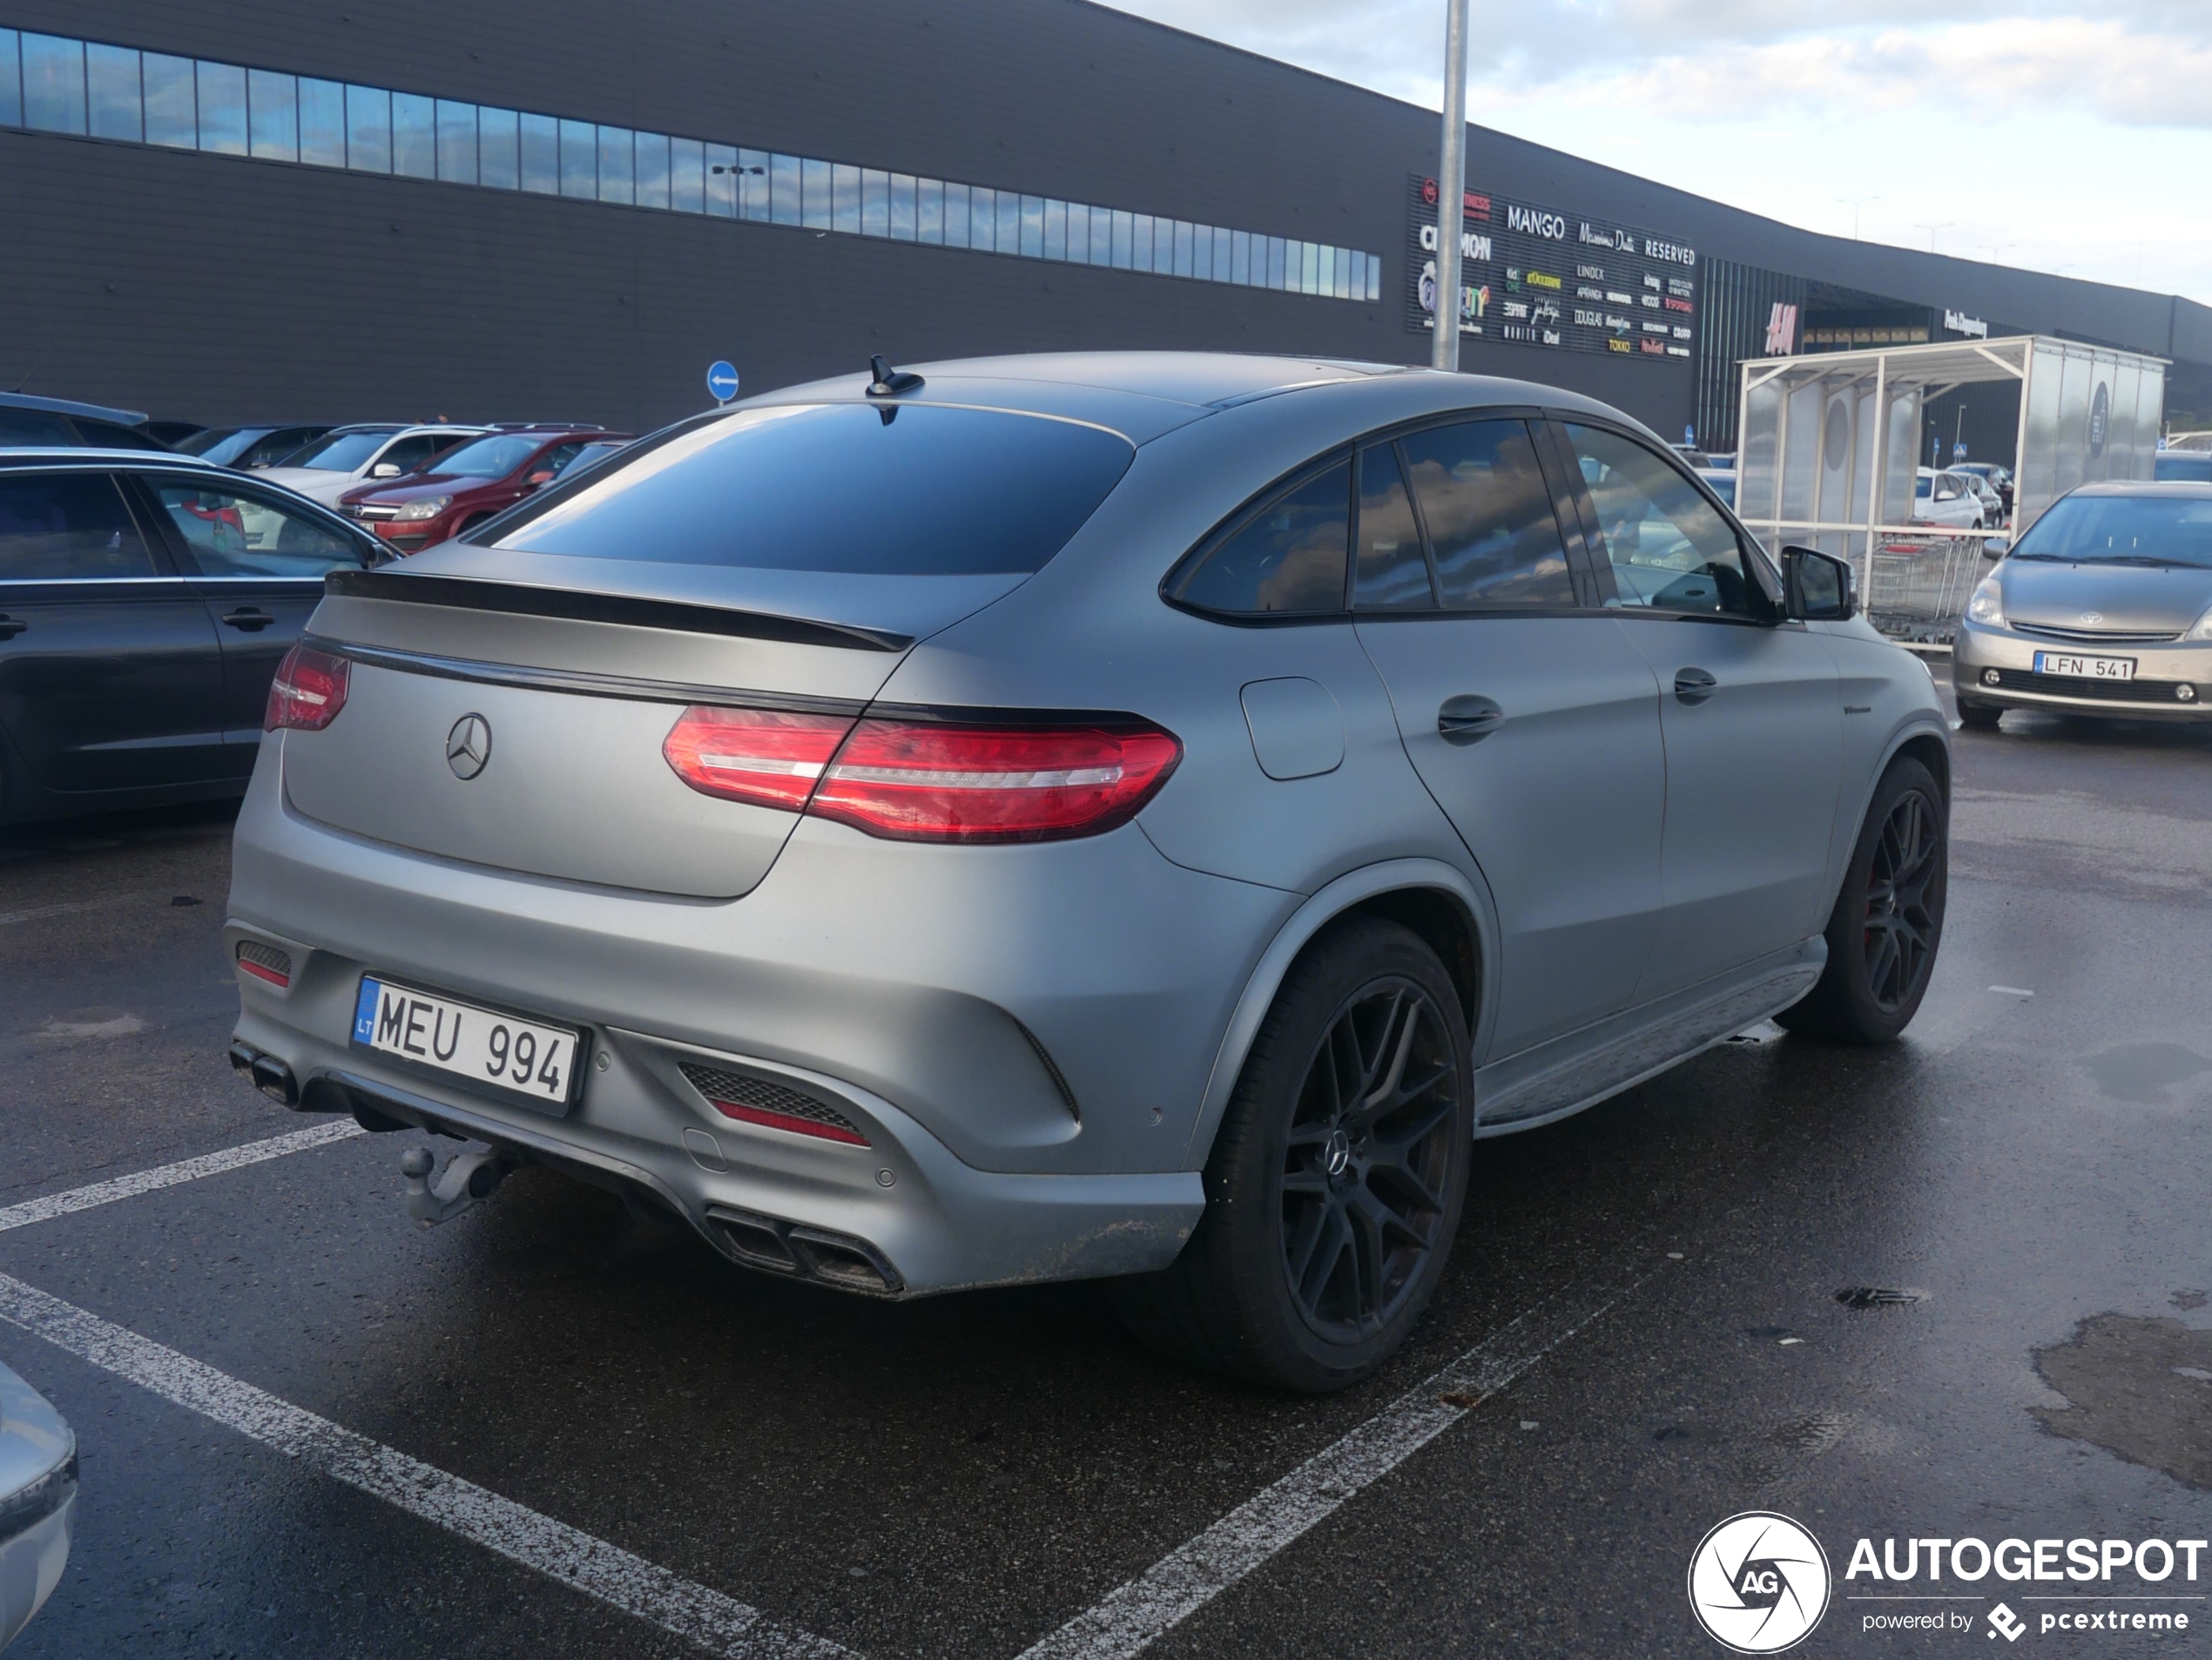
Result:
pixel 1538 276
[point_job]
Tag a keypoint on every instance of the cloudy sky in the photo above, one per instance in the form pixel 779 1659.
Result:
pixel 2061 135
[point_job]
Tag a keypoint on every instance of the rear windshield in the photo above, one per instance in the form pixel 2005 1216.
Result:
pixel 219 444
pixel 2123 530
pixel 2183 466
pixel 341 452
pixel 912 491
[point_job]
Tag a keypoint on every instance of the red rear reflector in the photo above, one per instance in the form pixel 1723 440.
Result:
pixel 308 691
pixel 764 756
pixel 917 780
pixel 745 1114
pixel 265 961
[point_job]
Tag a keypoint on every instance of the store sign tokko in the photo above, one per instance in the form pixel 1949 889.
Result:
pixel 1958 323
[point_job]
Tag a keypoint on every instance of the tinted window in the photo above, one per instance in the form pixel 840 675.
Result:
pixel 231 535
pixel 35 427
pixel 1668 547
pixel 1489 515
pixel 2189 467
pixel 1288 558
pixel 66 525
pixel 2123 530
pixel 485 458
pixel 1392 572
pixel 891 491
pixel 108 434
pixel 341 452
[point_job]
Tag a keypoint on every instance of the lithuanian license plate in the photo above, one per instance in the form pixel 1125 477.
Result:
pixel 2085 668
pixel 481 1045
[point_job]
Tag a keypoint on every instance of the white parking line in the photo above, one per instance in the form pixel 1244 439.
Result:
pixel 717 1623
pixel 37 912
pixel 1127 1620
pixel 184 1169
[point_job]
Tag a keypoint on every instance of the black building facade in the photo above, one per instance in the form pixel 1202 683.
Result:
pixel 556 210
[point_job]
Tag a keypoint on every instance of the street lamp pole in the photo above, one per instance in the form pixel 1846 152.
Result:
pixel 1451 189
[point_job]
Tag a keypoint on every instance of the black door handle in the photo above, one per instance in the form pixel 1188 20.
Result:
pixel 1693 685
pixel 248 618
pixel 11 626
pixel 1467 720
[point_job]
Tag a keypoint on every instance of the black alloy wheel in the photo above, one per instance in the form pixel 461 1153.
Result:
pixel 1887 924
pixel 1335 1181
pixel 1366 1163
pixel 1901 930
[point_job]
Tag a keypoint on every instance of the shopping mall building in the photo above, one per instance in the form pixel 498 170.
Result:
pixel 501 210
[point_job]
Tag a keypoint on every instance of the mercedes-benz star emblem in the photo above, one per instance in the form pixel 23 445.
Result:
pixel 469 746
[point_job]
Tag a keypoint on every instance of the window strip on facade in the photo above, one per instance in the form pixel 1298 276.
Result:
pixel 57 84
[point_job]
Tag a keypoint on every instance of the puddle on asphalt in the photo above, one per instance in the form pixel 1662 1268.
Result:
pixel 2143 1072
pixel 2139 1387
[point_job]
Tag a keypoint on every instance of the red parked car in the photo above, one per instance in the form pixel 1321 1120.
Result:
pixel 471 482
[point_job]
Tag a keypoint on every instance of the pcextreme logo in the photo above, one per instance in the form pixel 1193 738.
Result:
pixel 1758 1582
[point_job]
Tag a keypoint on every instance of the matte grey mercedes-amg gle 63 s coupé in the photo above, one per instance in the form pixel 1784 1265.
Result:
pixel 1133 815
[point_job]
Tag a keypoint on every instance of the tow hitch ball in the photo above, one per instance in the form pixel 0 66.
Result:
pixel 468 1178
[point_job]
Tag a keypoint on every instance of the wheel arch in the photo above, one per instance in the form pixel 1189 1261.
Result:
pixel 1448 910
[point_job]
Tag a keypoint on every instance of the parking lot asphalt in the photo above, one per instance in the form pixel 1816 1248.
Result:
pixel 1649 1292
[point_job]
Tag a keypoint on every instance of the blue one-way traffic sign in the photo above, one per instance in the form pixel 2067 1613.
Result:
pixel 722 382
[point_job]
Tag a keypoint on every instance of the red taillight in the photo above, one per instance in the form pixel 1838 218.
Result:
pixel 928 780
pixel 934 781
pixel 308 691
pixel 764 756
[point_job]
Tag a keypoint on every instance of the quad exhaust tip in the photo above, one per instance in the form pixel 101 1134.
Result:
pixel 793 1249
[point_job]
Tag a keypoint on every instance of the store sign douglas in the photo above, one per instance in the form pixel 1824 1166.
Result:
pixel 1534 276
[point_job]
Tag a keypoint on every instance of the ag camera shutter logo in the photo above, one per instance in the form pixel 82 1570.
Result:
pixel 1758 1582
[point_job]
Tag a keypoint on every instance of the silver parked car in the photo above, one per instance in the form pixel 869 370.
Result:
pixel 1133 815
pixel 2104 607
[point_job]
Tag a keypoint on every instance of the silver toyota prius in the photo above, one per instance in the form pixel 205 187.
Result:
pixel 1038 818
pixel 2103 607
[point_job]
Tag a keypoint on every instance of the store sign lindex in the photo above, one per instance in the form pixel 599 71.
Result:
pixel 1536 276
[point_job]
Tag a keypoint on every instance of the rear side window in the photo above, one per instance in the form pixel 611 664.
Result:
pixel 67 525
pixel 1286 559
pixel 1489 515
pixel 918 490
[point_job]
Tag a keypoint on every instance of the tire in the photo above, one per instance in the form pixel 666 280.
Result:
pixel 1979 717
pixel 1888 921
pixel 1327 1221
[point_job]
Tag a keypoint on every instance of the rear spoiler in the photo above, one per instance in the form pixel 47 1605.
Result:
pixel 687 617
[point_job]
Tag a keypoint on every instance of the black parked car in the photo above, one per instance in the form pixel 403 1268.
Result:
pixel 26 420
pixel 244 448
pixel 144 604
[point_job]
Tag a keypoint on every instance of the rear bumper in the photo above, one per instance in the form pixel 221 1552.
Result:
pixel 1996 667
pixel 1022 1035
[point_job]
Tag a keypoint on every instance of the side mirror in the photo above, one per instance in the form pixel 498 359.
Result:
pixel 1996 547
pixel 1817 587
pixel 385 469
pixel 540 478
